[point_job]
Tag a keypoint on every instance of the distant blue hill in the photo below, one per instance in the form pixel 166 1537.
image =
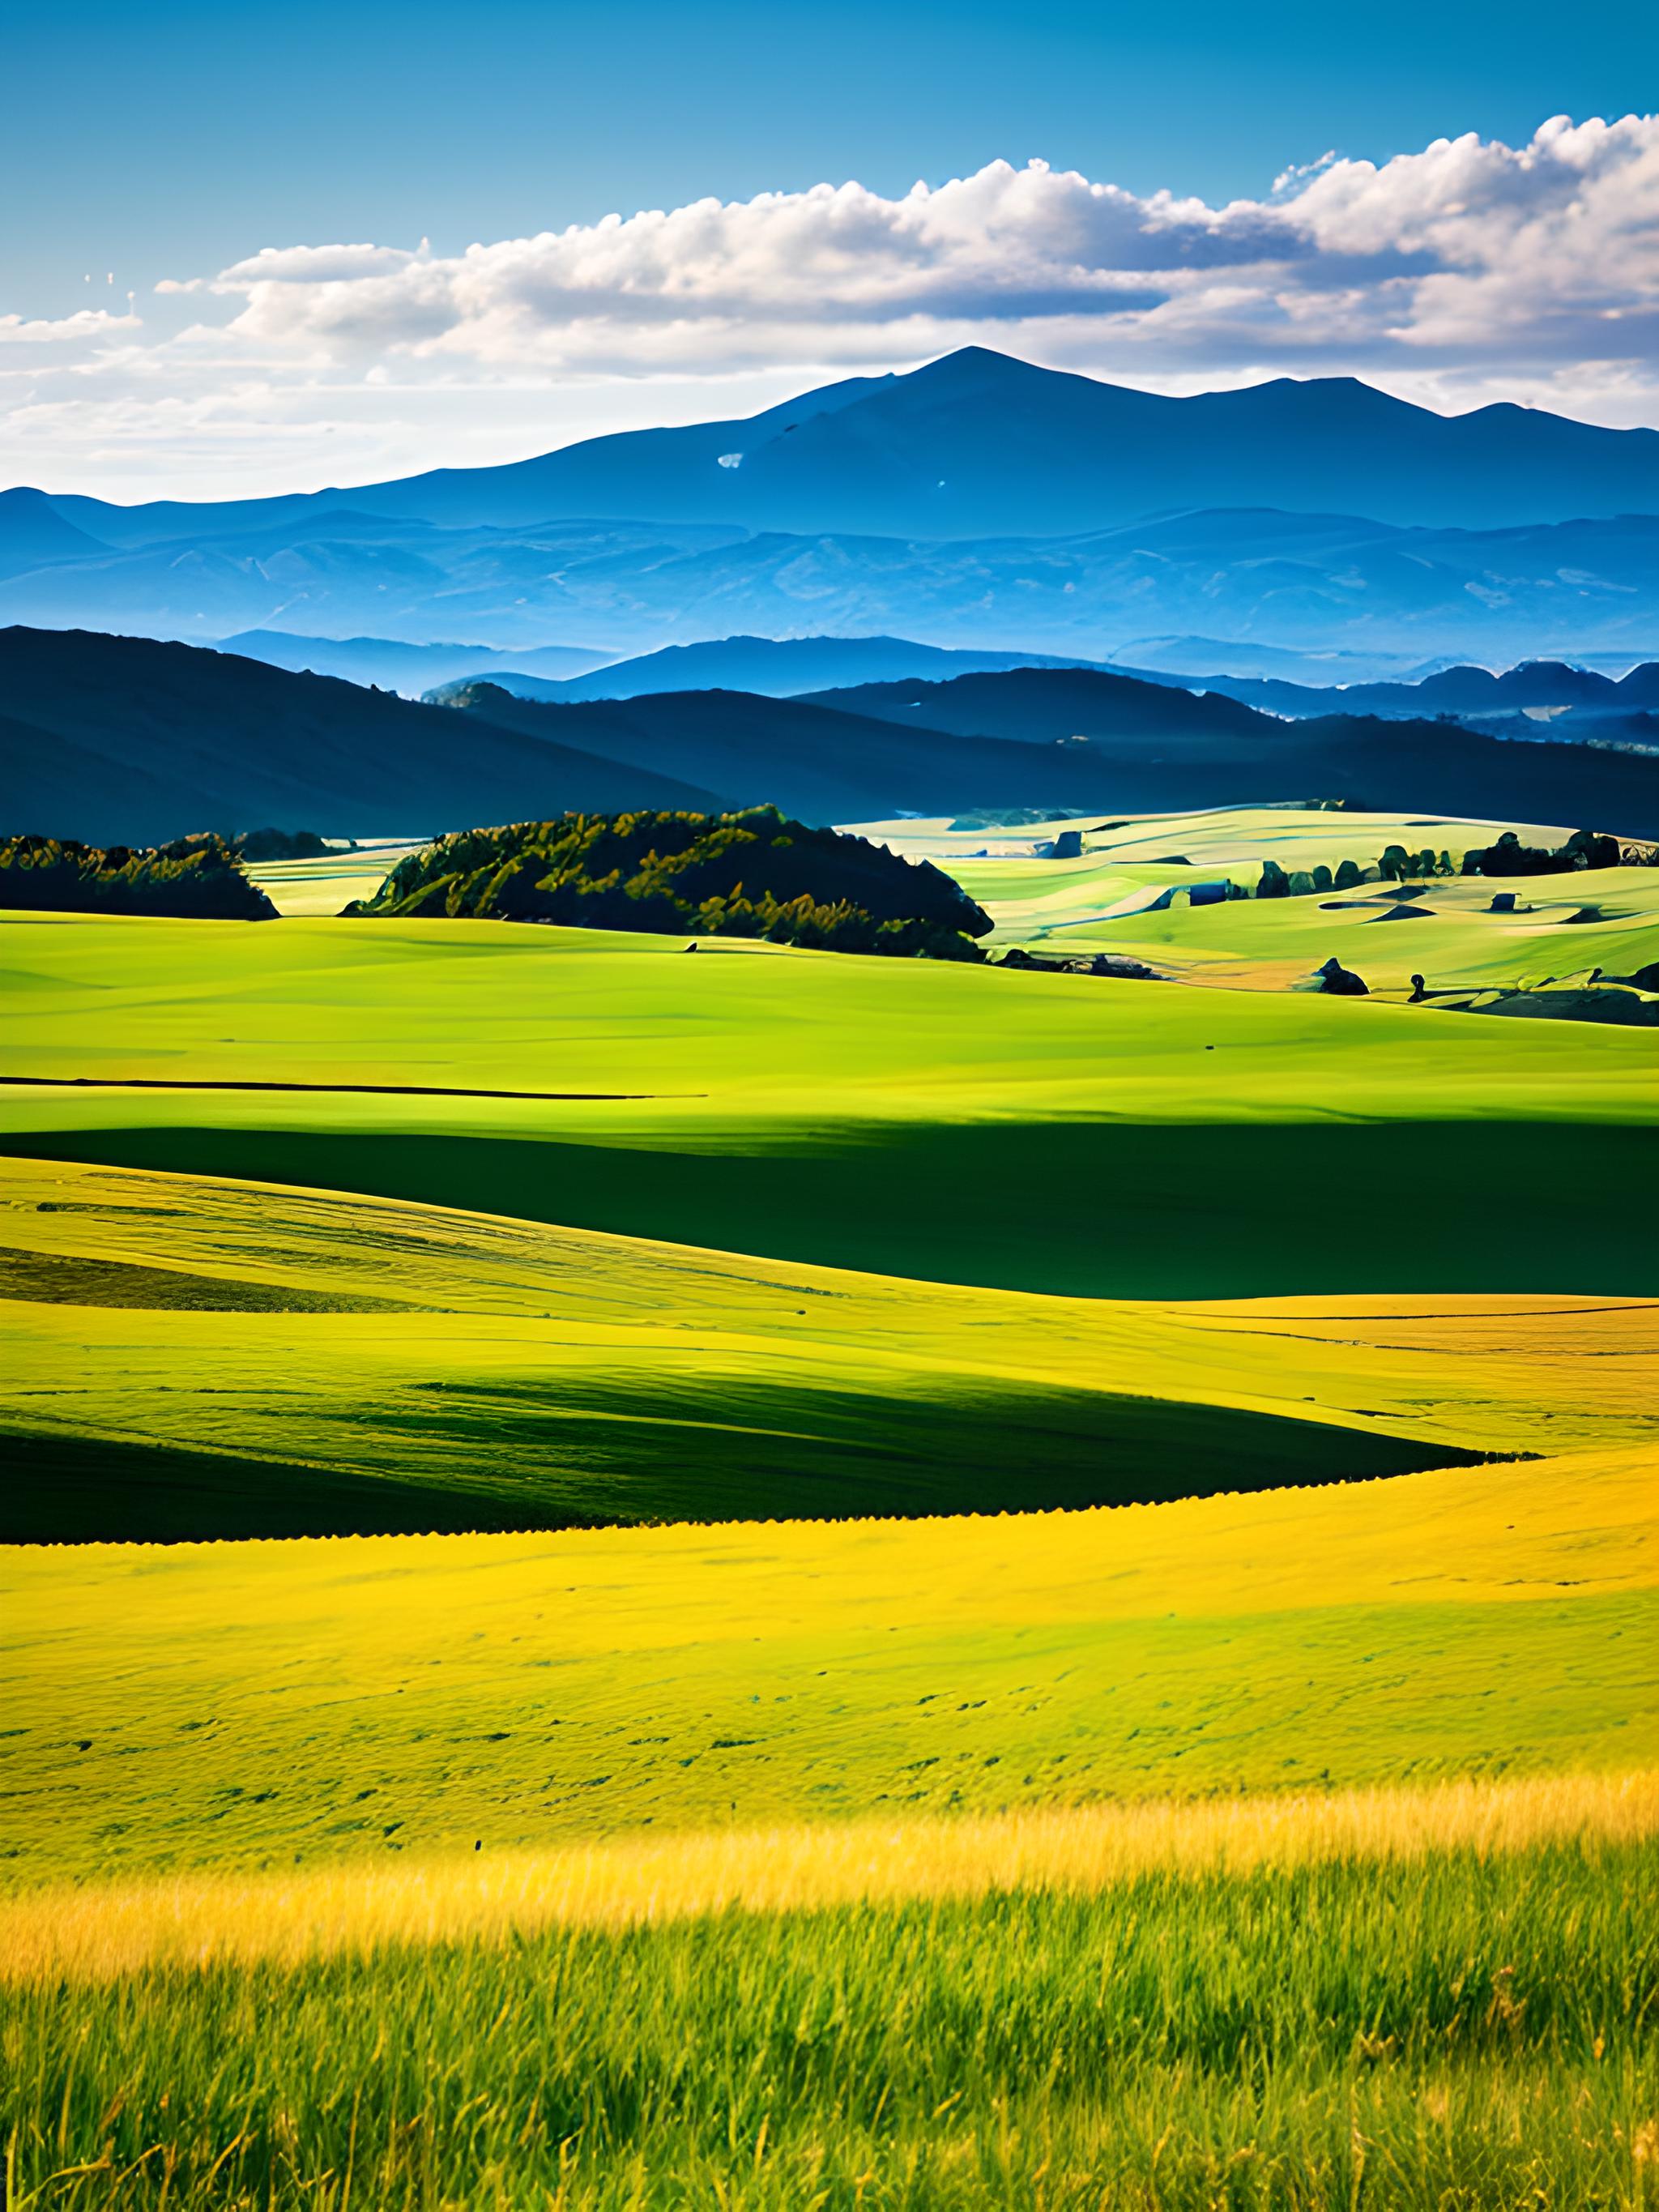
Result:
pixel 393 666
pixel 772 667
pixel 977 445
pixel 34 534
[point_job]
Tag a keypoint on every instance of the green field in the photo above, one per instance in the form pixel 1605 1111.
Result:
pixel 323 886
pixel 1036 1133
pixel 663 1374
pixel 166 1337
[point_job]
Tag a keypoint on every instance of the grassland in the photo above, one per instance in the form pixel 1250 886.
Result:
pixel 248 1704
pixel 810 1859
pixel 1458 2030
pixel 1564 926
pixel 322 886
pixel 190 1358
pixel 1024 1132
pixel 100 1932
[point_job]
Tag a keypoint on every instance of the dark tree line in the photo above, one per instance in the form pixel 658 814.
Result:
pixel 197 877
pixel 1510 857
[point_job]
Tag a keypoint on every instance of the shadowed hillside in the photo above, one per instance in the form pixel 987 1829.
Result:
pixel 123 738
pixel 1211 750
pixel 821 764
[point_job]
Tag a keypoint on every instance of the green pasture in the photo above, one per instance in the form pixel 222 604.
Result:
pixel 1046 1133
pixel 286 1397
pixel 1564 927
pixel 182 1357
pixel 1453 2033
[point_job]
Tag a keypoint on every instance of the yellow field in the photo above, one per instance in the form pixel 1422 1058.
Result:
pixel 93 1933
pixel 266 1704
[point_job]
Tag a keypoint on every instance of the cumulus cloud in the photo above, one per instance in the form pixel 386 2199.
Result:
pixel 1468 271
pixel 1470 251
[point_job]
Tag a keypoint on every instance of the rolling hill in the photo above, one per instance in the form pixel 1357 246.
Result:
pixel 820 763
pixel 115 739
pixel 130 740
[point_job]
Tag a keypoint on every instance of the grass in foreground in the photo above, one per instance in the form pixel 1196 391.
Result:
pixel 1454 2031
pixel 94 1933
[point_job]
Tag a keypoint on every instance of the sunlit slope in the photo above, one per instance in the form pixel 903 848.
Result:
pixel 1563 926
pixel 184 1357
pixel 1034 1132
pixel 324 885
pixel 1563 930
pixel 240 1705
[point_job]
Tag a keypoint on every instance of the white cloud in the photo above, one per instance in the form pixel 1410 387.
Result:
pixel 1470 250
pixel 1470 270
pixel 87 327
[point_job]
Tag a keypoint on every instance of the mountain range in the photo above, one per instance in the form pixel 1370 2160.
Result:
pixel 1573 700
pixel 1307 582
pixel 773 668
pixel 408 669
pixel 978 444
pixel 978 503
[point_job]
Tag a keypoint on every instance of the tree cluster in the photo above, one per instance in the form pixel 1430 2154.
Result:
pixel 754 873
pixel 1510 857
pixel 197 877
pixel 1394 864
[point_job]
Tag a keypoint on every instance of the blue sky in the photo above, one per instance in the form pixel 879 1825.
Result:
pixel 159 138
pixel 175 140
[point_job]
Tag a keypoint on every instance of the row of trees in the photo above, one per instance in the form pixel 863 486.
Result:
pixel 1395 864
pixel 1398 864
pixel 1510 857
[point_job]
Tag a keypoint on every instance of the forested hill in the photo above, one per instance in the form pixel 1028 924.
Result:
pixel 754 873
